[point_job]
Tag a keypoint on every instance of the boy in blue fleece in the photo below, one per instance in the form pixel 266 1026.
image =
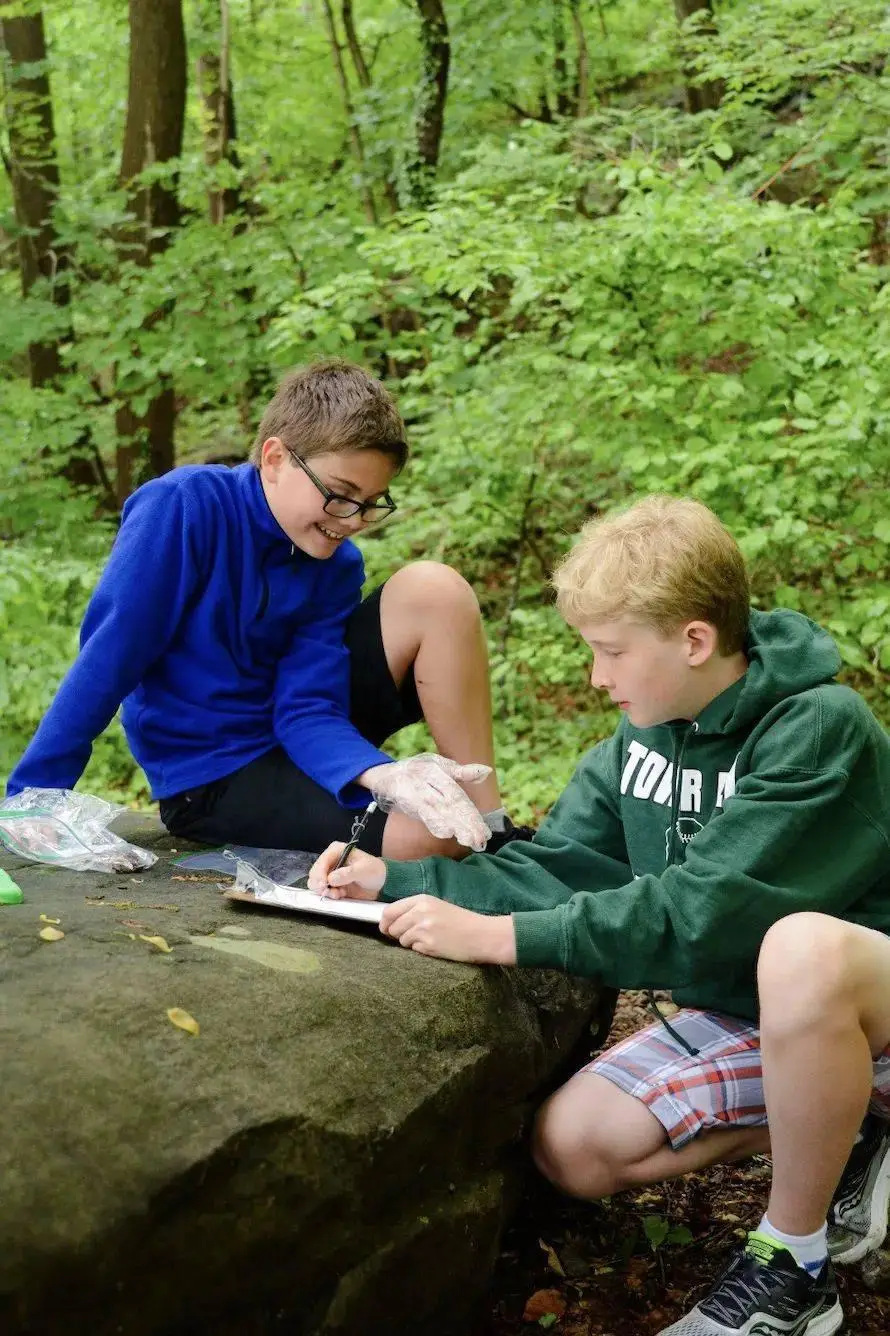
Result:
pixel 257 687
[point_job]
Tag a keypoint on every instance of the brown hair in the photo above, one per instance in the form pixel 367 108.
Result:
pixel 330 407
pixel 663 562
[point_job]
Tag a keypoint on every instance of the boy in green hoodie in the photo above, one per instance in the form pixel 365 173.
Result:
pixel 730 842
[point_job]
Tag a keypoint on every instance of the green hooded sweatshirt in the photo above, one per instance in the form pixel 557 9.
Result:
pixel 675 848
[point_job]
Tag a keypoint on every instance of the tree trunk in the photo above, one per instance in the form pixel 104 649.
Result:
pixel 560 67
pixel 699 96
pixel 582 83
pixel 153 134
pixel 34 175
pixel 363 74
pixel 215 83
pixel 435 48
pixel 355 134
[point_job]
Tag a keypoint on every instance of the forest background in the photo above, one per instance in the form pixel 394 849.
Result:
pixel 595 247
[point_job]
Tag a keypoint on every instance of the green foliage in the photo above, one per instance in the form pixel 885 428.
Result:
pixel 660 1232
pixel 589 310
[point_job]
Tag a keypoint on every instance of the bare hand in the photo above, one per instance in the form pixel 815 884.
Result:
pixel 360 878
pixel 433 927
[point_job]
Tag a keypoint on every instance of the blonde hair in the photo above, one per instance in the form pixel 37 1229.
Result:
pixel 331 407
pixel 663 562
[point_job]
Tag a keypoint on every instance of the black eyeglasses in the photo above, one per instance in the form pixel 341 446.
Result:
pixel 344 507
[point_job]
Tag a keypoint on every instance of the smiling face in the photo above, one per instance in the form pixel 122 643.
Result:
pixel 298 505
pixel 652 676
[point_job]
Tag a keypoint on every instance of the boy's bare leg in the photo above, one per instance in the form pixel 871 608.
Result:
pixel 430 619
pixel 825 1013
pixel 591 1140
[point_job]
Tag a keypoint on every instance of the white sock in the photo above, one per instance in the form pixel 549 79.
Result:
pixel 809 1250
pixel 496 820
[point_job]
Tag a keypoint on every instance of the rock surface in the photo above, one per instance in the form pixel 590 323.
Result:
pixel 332 1153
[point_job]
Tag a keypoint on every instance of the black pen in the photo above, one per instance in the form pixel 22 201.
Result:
pixel 358 826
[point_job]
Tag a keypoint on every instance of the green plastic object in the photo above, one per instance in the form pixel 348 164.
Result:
pixel 10 894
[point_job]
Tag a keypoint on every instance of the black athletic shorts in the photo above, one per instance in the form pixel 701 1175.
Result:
pixel 272 804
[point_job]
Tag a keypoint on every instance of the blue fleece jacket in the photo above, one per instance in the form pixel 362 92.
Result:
pixel 221 640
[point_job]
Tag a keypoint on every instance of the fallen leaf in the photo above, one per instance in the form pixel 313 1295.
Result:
pixel 94 899
pixel 51 934
pixel 158 942
pixel 44 919
pixel 552 1260
pixel 182 1020
pixel 122 904
pixel 543 1302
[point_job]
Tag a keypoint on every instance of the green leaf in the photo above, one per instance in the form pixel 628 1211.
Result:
pixel 656 1229
pixel 680 1235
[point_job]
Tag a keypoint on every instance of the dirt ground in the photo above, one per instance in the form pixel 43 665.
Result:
pixel 604 1268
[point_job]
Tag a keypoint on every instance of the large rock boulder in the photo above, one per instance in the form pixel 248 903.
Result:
pixel 331 1153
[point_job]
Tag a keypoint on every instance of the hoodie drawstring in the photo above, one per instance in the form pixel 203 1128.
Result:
pixel 676 782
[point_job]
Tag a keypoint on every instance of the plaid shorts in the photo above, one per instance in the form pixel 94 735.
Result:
pixel 721 1087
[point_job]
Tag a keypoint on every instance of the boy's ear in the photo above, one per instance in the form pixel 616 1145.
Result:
pixel 700 640
pixel 273 456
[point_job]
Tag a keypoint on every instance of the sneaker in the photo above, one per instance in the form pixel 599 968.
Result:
pixel 857 1221
pixel 763 1292
pixel 499 838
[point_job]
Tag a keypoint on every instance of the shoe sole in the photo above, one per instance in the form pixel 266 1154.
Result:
pixel 827 1324
pixel 880 1209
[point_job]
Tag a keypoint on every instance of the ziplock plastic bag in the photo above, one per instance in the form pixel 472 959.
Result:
pixel 249 878
pixel 66 829
pixel 284 866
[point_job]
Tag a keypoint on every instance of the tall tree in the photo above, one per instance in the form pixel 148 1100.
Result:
pixel 363 74
pixel 435 47
pixel 565 86
pixel 582 81
pixel 700 95
pixel 362 69
pixel 560 62
pixel 355 134
pixel 152 135
pixel 34 174
pixel 215 82
pixel 33 170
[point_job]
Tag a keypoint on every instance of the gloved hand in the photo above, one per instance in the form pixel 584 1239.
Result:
pixel 426 788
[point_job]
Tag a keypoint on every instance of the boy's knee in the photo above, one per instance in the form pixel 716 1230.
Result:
pixel 571 1154
pixel 433 587
pixel 805 966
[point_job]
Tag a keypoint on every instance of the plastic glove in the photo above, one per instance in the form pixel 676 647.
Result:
pixel 426 787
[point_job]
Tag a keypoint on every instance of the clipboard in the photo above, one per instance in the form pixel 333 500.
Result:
pixel 252 888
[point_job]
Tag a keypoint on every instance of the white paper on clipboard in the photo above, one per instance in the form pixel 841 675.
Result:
pixel 251 882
